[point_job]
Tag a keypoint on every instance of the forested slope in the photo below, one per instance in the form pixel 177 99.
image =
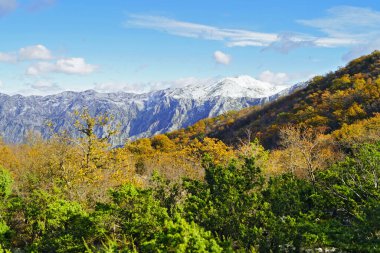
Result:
pixel 327 103
pixel 315 190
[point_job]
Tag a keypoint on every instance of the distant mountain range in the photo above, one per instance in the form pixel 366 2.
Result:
pixel 139 115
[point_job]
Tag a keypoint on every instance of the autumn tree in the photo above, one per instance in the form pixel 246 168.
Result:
pixel 95 137
pixel 7 156
pixel 305 151
pixel 163 143
pixel 363 131
pixel 102 165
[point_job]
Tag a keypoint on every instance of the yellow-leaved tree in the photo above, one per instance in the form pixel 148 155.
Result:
pixel 305 151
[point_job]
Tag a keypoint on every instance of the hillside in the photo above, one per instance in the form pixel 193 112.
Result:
pixel 326 103
pixel 184 190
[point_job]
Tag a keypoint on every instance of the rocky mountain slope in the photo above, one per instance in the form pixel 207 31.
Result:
pixel 139 115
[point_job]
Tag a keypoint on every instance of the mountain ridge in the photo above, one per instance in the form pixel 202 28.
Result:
pixel 140 115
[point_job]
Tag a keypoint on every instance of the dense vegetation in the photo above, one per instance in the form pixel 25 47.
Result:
pixel 318 190
pixel 327 103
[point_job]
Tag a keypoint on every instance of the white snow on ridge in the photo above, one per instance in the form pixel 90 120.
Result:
pixel 232 87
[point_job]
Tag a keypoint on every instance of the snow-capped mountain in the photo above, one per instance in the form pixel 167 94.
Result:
pixel 232 87
pixel 140 115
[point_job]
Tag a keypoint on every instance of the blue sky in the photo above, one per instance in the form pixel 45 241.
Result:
pixel 48 46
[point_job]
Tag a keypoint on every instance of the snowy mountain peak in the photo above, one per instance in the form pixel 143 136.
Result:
pixel 230 87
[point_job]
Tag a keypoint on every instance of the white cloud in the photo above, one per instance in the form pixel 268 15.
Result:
pixel 45 86
pixel 282 42
pixel 6 6
pixel 246 43
pixel 74 66
pixel 347 21
pixel 36 52
pixel 69 65
pixel 39 87
pixel 144 87
pixel 112 86
pixel 285 79
pixel 289 41
pixel 138 87
pixel 335 42
pixel 274 78
pixel 8 57
pixel 1 84
pixel 66 65
pixel 347 26
pixel 232 37
pixel 222 58
pixel 40 67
